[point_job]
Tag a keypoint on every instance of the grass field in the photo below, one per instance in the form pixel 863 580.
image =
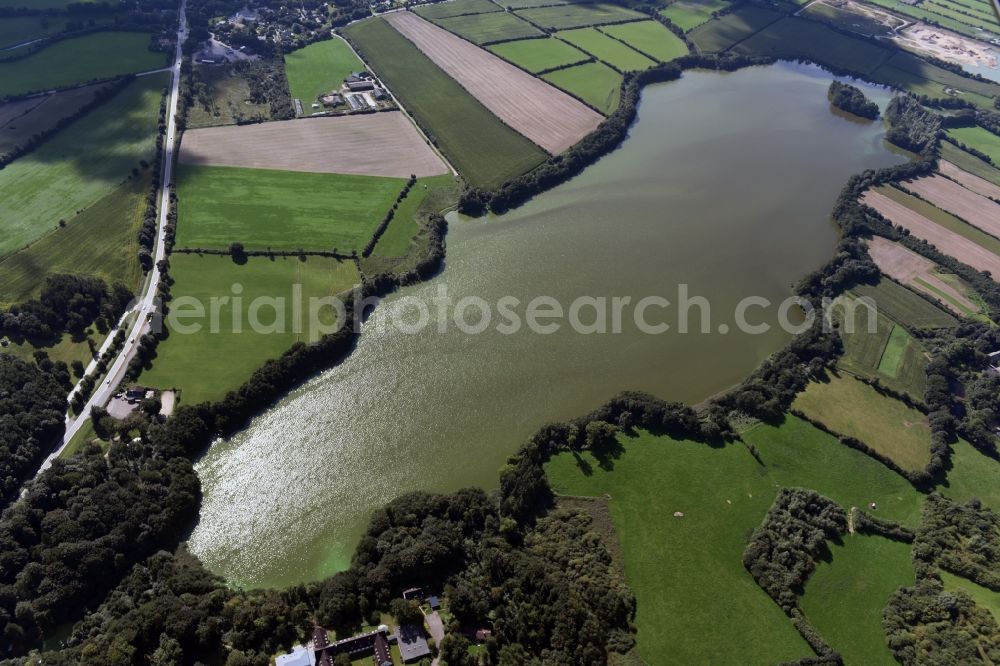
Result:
pixel 720 34
pixel 456 8
pixel 984 597
pixel 905 307
pixel 912 73
pixel 282 210
pixel 690 585
pixel 18 29
pixel 483 149
pixel 79 165
pixel 973 475
pixel 649 37
pixel 564 17
pixel 44 115
pixel 83 436
pixel 488 28
pixel 851 407
pixel 978 138
pixel 605 48
pixel 397 239
pixel 844 598
pixel 800 38
pixel 522 4
pixel 205 365
pixel 101 241
pixel 99 55
pixel 846 20
pixel 227 99
pixel 594 82
pixel 319 68
pixel 895 350
pixel 970 163
pixel 688 14
pixel 536 55
pixel 943 219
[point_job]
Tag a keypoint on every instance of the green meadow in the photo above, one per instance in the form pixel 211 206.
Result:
pixel 984 597
pixel 78 166
pixel 536 55
pixel 605 48
pixel 488 28
pixel 689 14
pixel 18 29
pixel 723 32
pixel 850 407
pixel 101 241
pixel 892 355
pixel 67 62
pixel 978 138
pixel 973 475
pixel 281 210
pixel 904 306
pixel 456 8
pixel 40 115
pixel 483 149
pixel 398 236
pixel 969 162
pixel 563 17
pixel 595 83
pixel 649 37
pixel 205 365
pixel 844 597
pixel 319 68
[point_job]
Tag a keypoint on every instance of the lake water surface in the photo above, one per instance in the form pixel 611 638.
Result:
pixel 724 184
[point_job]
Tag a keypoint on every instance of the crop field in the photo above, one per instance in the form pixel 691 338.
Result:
pixel 21 120
pixel 79 165
pixel 537 55
pixel 523 4
pixel 978 138
pixel 969 163
pixel 371 144
pixel 722 33
pixel 457 8
pixel 78 60
pixel 282 210
pixel 973 475
pixel 948 234
pixel 649 37
pixel 204 364
pixel 688 14
pixel 545 115
pixel 483 149
pixel 101 241
pixel 905 307
pixel 795 37
pixel 853 408
pixel 398 236
pixel 963 14
pixel 488 28
pixel 609 50
pixel 983 596
pixel 593 82
pixel 911 269
pixel 690 585
pixel 964 204
pixel 564 17
pixel 319 68
pixel 844 597
pixel 968 180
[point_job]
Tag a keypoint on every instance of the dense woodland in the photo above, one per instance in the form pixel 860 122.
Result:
pixel 851 99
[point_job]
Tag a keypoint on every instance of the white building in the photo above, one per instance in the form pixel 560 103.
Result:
pixel 299 656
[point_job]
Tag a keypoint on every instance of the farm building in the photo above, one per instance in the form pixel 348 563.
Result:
pixel 360 86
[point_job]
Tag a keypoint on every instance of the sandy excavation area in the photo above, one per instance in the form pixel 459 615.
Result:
pixel 948 195
pixel 946 241
pixel 969 181
pixel 370 144
pixel 546 115
pixel 909 268
pixel 946 45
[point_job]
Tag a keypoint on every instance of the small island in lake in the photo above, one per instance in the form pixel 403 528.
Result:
pixel 848 98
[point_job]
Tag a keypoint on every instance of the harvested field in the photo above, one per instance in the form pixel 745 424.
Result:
pixel 944 240
pixel 969 181
pixel 948 195
pixel 550 118
pixel 374 144
pixel 920 273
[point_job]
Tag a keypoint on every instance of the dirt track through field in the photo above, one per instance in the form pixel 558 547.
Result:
pixel 546 115
pixel 909 268
pixel 371 144
pixel 948 195
pixel 968 180
pixel 944 240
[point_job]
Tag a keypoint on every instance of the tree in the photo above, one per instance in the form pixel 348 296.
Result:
pixel 406 612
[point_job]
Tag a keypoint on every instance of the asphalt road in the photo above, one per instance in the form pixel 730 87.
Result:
pixel 146 304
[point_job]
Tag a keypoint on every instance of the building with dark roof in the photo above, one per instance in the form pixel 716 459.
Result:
pixel 412 644
pixel 433 602
pixel 383 657
pixel 359 86
pixel 374 643
pixel 413 593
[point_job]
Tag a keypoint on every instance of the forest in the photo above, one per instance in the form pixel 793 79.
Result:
pixel 851 99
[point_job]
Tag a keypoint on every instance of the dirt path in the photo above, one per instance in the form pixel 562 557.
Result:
pixel 546 115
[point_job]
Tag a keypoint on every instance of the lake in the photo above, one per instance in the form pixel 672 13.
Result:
pixel 725 184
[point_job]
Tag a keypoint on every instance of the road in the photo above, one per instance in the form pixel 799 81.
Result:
pixel 146 304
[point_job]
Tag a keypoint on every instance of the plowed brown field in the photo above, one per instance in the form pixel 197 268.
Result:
pixel 909 268
pixel 968 180
pixel 948 195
